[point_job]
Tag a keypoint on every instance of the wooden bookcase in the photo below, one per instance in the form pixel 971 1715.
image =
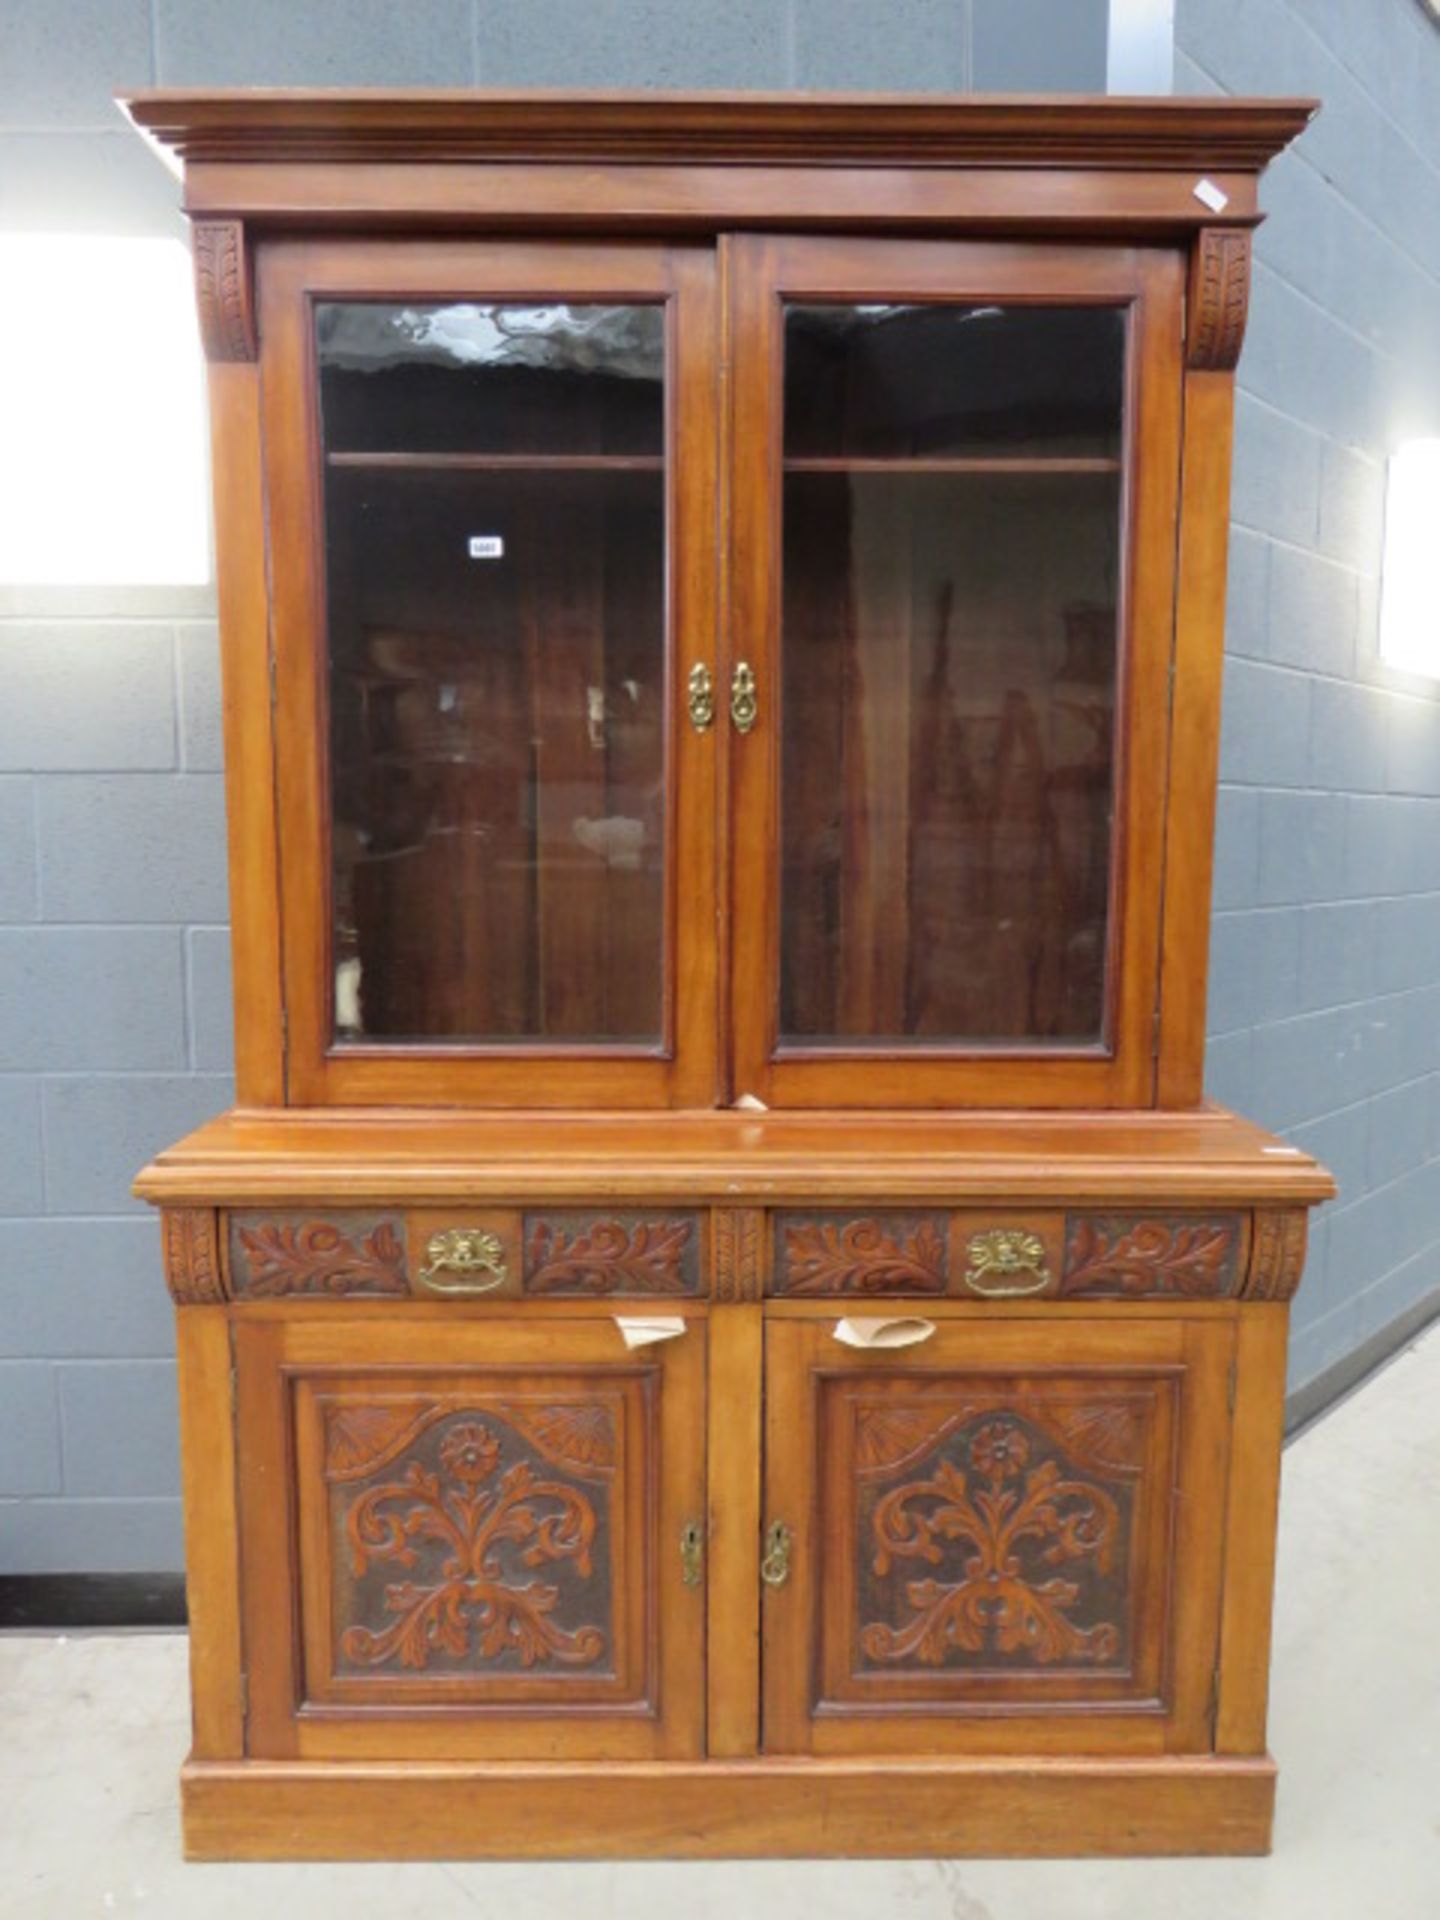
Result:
pixel 720 1321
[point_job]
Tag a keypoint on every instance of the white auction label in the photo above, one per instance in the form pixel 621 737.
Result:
pixel 487 546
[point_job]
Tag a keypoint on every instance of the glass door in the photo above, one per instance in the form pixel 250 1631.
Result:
pixel 493 562
pixel 953 552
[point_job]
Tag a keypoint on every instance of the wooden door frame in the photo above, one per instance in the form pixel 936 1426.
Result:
pixel 275 1350
pixel 291 274
pixel 761 273
pixel 1196 1349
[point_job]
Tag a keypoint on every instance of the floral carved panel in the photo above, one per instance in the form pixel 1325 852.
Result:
pixel 847 1253
pixel 1119 1255
pixel 272 1255
pixel 597 1254
pixel 996 1536
pixel 472 1538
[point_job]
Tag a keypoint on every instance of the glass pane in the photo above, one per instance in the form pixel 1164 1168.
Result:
pixel 949 667
pixel 495 528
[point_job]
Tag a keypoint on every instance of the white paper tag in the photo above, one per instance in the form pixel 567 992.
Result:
pixel 1211 196
pixel 899 1332
pixel 486 546
pixel 638 1331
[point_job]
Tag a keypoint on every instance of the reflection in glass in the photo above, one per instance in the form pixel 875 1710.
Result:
pixel 949 666
pixel 495 523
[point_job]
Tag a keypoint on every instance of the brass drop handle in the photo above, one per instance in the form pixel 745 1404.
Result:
pixel 775 1567
pixel 1005 1262
pixel 744 705
pixel 475 1258
pixel 692 1552
pixel 701 697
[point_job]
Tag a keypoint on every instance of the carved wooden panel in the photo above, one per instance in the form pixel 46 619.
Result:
pixel 597 1254
pixel 874 1254
pixel 223 291
pixel 1113 1256
pixel 192 1256
pixel 996 1533
pixel 1218 296
pixel 739 1235
pixel 346 1254
pixel 1278 1259
pixel 472 1535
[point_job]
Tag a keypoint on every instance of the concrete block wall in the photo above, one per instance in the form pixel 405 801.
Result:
pixel 1325 957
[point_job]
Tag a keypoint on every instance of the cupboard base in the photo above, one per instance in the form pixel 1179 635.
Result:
pixel 290 1810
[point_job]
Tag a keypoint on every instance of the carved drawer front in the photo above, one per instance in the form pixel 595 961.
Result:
pixel 592 1254
pixel 998 1540
pixel 977 1253
pixel 478 1533
pixel 327 1256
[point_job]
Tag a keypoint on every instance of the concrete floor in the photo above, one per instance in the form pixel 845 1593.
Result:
pixel 92 1729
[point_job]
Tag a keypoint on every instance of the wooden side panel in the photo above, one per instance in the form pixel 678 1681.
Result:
pixel 241 591
pixel 1194 734
pixel 212 1544
pixel 1252 1499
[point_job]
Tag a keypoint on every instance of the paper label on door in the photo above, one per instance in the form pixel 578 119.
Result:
pixel 896 1332
pixel 643 1331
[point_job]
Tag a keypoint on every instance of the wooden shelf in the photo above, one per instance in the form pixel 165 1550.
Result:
pixel 955 463
pixel 500 462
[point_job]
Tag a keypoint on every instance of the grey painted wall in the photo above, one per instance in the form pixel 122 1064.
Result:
pixel 114 1016
pixel 1325 983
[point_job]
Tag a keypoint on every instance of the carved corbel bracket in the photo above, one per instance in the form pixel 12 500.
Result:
pixel 192 1256
pixel 1277 1257
pixel 1218 297
pixel 223 290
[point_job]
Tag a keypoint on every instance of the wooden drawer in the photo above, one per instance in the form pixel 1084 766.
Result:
pixel 467 1253
pixel 974 1252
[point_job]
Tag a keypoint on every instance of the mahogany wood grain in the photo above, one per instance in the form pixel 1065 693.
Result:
pixel 212 1556
pixel 1252 1500
pixel 414 123
pixel 240 583
pixel 733 1532
pixel 646 1696
pixel 1204 1155
pixel 1194 735
pixel 875 1808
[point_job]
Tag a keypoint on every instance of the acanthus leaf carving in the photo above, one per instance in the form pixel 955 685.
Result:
pixel 1121 1255
pixel 270 1258
pixel 223 291
pixel 862 1256
pixel 739 1272
pixel 606 1256
pixel 192 1257
pixel 1218 298
pixel 1278 1259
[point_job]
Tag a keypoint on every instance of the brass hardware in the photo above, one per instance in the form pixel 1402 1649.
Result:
pixel 775 1567
pixel 466 1252
pixel 743 705
pixel 702 697
pixel 1006 1253
pixel 692 1552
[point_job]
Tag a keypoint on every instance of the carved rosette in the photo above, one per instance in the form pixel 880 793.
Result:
pixel 739 1268
pixel 1278 1259
pixel 223 291
pixel 192 1256
pixel 1218 298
